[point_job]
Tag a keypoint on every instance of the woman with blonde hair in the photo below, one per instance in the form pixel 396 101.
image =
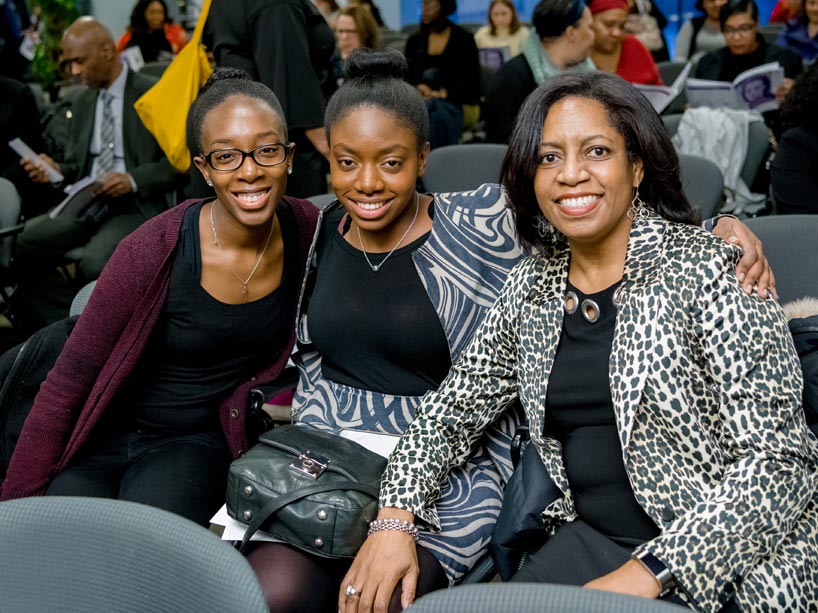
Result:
pixel 503 29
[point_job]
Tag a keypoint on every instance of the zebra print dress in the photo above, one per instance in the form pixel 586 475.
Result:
pixel 462 265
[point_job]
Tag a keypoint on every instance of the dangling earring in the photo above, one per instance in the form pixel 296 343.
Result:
pixel 210 183
pixel 289 170
pixel 639 210
pixel 544 229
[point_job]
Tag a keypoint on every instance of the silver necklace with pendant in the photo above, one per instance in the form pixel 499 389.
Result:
pixel 377 267
pixel 244 293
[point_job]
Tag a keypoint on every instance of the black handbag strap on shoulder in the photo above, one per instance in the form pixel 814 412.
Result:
pixel 275 505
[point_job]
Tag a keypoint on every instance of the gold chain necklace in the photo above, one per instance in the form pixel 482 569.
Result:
pixel 244 293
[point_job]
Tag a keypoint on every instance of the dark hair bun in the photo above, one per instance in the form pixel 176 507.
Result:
pixel 376 64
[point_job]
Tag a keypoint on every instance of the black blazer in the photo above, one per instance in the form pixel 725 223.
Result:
pixel 144 158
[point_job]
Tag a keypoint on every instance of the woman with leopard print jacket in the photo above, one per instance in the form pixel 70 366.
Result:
pixel 666 400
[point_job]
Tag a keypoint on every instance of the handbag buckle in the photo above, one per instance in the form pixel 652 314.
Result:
pixel 310 464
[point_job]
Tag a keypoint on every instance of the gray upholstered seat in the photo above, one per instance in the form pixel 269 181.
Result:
pixel 531 597
pixel 89 555
pixel 790 243
pixel 458 168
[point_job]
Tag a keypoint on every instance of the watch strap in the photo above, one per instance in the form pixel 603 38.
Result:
pixel 658 569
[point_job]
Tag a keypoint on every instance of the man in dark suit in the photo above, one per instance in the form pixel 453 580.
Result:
pixel 109 143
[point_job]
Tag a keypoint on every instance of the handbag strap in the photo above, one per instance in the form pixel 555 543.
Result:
pixel 275 505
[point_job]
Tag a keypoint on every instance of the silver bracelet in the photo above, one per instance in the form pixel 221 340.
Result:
pixel 391 523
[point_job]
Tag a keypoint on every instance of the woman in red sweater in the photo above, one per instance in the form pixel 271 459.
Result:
pixel 153 31
pixel 615 51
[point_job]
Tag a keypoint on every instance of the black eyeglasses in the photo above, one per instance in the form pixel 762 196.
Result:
pixel 742 30
pixel 271 154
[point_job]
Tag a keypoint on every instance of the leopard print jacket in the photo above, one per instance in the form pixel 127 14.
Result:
pixel 706 389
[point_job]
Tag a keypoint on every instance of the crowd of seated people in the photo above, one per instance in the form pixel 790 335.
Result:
pixel 562 40
pixel 147 401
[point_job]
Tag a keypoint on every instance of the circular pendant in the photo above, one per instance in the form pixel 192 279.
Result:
pixel 376 268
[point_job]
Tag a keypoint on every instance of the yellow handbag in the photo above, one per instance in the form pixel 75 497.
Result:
pixel 164 107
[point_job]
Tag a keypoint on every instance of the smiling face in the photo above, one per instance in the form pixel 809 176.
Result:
pixel 251 193
pixel 375 163
pixel 584 183
pixel 501 16
pixel 609 28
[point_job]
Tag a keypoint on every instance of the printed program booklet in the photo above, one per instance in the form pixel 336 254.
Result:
pixel 752 90
pixel 660 96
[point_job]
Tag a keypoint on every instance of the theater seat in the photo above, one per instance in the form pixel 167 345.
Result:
pixel 89 555
pixel 703 184
pixel 790 246
pixel 458 168
pixel 526 597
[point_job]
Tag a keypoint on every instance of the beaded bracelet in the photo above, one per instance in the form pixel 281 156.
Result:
pixel 391 523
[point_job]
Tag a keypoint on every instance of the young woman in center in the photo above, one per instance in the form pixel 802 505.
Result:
pixel 398 283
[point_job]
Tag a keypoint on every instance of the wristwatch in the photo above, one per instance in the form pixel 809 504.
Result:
pixel 656 568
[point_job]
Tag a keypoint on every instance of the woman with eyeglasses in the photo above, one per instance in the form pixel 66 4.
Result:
pixel 147 401
pixel 355 28
pixel 746 48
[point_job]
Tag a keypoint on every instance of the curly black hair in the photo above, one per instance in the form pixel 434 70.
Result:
pixel 798 110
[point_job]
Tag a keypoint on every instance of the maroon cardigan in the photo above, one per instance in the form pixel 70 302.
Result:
pixel 106 344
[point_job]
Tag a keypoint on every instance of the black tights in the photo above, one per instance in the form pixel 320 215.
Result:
pixel 294 581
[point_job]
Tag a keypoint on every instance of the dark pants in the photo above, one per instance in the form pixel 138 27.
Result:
pixel 44 294
pixel 186 475
pixel 577 554
pixel 445 122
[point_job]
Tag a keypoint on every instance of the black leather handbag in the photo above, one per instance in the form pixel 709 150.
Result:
pixel 520 527
pixel 311 489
